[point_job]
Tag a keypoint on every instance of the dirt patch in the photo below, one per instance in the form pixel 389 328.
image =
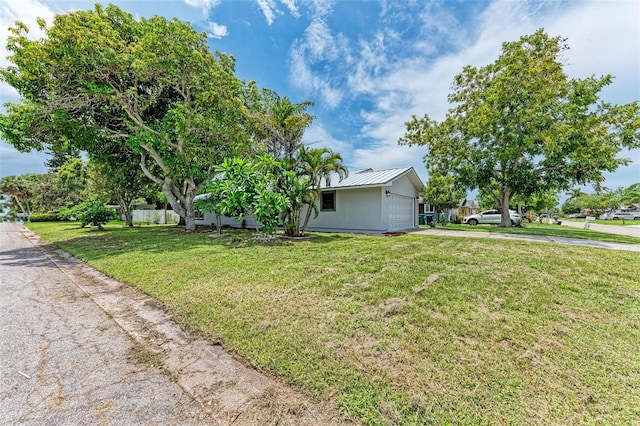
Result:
pixel 392 234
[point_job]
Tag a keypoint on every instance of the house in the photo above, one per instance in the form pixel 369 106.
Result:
pixel 467 208
pixel 370 201
pixel 367 201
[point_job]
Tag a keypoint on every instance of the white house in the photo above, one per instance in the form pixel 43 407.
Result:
pixel 369 201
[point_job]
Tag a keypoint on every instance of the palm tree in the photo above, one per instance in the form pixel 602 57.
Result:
pixel 318 164
pixel 575 193
pixel 281 124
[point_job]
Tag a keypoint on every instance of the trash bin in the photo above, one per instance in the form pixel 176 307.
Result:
pixel 421 219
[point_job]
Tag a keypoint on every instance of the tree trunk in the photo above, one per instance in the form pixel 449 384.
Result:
pixel 182 204
pixel 505 198
pixel 128 217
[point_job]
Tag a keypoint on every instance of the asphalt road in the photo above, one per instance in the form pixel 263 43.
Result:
pixel 64 361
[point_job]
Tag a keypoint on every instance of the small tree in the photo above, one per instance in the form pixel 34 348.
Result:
pixel 242 187
pixel 94 212
pixel 442 193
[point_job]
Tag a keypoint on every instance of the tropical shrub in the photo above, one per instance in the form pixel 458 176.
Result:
pixel 93 212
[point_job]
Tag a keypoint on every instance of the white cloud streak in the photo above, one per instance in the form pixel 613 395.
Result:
pixel 269 10
pixel 217 31
pixel 204 5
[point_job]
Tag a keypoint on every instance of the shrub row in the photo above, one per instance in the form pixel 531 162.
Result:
pixel 45 217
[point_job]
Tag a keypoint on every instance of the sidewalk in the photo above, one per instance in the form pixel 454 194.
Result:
pixel 538 238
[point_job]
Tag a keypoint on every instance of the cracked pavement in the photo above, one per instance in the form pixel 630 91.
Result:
pixel 77 347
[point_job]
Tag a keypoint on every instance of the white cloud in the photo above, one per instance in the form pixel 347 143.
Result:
pixel 269 9
pixel 204 5
pixel 318 47
pixel 317 136
pixel 304 78
pixel 293 9
pixel 217 30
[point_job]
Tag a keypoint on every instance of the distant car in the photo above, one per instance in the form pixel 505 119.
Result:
pixel 491 217
pixel 577 216
pixel 551 215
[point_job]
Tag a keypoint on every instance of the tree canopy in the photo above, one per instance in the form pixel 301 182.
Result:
pixel 150 84
pixel 522 125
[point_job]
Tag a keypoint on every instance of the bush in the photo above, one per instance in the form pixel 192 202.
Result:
pixel 94 212
pixel 45 217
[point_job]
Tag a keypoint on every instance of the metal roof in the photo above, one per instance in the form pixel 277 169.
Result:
pixel 372 178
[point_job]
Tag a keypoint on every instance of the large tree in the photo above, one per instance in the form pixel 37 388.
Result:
pixel 522 125
pixel 150 84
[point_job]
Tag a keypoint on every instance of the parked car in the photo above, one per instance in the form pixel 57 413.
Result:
pixel 551 215
pixel 491 217
pixel 577 216
pixel 625 216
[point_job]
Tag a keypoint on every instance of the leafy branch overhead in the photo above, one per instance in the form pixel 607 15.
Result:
pixel 522 125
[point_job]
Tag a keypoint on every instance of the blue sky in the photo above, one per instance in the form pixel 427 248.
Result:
pixel 369 65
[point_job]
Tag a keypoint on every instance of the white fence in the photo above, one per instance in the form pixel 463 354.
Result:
pixel 155 216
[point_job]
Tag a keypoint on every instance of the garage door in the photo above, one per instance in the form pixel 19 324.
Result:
pixel 401 212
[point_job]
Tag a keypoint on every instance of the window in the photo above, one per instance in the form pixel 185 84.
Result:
pixel 198 215
pixel 328 201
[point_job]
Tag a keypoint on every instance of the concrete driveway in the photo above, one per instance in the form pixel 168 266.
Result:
pixel 79 348
pixel 538 238
pixel 628 230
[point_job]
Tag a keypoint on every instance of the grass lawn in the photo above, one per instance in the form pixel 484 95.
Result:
pixel 411 329
pixel 546 229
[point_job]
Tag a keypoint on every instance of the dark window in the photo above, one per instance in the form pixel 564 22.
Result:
pixel 198 215
pixel 328 201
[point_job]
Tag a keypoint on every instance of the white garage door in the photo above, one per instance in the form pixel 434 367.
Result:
pixel 400 212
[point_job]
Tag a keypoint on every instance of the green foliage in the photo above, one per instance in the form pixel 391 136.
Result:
pixel 152 84
pixel 116 176
pixel 20 189
pixel 279 124
pixel 601 201
pixel 244 186
pixel 442 192
pixel 522 127
pixel 45 217
pixel 94 212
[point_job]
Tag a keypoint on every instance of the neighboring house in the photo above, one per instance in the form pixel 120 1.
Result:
pixel 370 201
pixel 467 208
pixel 367 201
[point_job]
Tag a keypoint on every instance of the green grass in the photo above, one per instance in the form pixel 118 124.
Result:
pixel 413 329
pixel 545 229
